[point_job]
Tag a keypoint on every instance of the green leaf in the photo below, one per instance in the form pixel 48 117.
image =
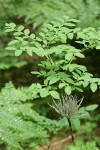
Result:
pixel 49 26
pixel 42 34
pixel 76 123
pixel 20 28
pixel 79 55
pixel 18 52
pixel 56 24
pixel 53 80
pixel 93 87
pixel 54 94
pixel 91 107
pixel 61 85
pixel 9 30
pixel 68 56
pixel 32 36
pixel 70 36
pixel 59 19
pixel 78 89
pixel 17 33
pixel 26 31
pixel 29 52
pixel 74 20
pixel 12 25
pixel 10 48
pixel 44 92
pixel 24 43
pixel 13 42
pixel 63 37
pixel 36 72
pixel 85 83
pixel 69 80
pixel 68 90
pixel 70 24
pixel 98 47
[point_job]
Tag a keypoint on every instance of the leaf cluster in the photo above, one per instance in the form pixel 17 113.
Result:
pixel 60 69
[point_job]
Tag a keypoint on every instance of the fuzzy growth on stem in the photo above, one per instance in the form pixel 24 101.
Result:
pixel 68 107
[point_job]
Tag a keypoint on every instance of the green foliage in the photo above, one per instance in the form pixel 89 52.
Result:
pixel 86 113
pixel 7 58
pixel 87 146
pixel 20 124
pixel 61 72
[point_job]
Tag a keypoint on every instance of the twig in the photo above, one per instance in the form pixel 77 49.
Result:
pixel 43 147
pixel 68 139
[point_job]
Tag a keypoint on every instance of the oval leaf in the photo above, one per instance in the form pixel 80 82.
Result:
pixel 93 87
pixel 53 80
pixel 55 94
pixel 18 52
pixel 68 90
pixel 44 92
pixel 91 107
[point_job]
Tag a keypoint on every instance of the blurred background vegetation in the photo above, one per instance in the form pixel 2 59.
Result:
pixel 33 14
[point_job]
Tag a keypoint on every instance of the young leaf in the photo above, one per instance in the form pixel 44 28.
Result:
pixel 61 85
pixel 63 37
pixel 85 83
pixel 54 94
pixel 76 123
pixel 93 87
pixel 12 25
pixel 98 47
pixel 18 52
pixel 24 43
pixel 44 92
pixel 17 33
pixel 53 80
pixel 68 56
pixel 32 36
pixel 70 36
pixel 79 55
pixel 36 72
pixel 68 90
pixel 26 31
pixel 13 42
pixel 91 107
pixel 20 28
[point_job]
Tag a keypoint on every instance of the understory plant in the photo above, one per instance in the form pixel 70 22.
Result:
pixel 33 14
pixel 60 68
pixel 68 107
pixel 20 126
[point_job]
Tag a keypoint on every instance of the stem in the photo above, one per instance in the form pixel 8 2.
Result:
pixel 42 147
pixel 71 130
pixel 50 141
